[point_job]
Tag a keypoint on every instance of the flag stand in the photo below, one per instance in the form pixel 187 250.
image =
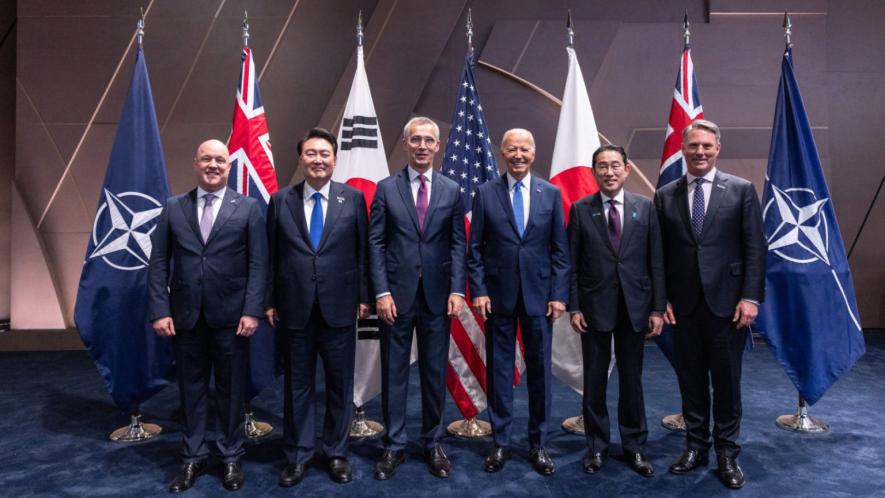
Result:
pixel 674 422
pixel 362 428
pixel 575 425
pixel 255 429
pixel 136 431
pixel 801 421
pixel 469 428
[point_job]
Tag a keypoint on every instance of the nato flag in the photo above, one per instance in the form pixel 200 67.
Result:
pixel 810 313
pixel 111 309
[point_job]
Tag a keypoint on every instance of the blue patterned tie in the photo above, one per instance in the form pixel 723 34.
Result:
pixel 697 207
pixel 316 221
pixel 518 208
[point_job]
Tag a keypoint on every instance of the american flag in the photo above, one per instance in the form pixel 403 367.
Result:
pixel 252 174
pixel 470 162
pixel 686 108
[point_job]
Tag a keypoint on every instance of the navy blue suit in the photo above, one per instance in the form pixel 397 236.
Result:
pixel 315 292
pixel 206 288
pixel 420 269
pixel 520 275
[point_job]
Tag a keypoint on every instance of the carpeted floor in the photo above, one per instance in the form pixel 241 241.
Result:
pixel 55 417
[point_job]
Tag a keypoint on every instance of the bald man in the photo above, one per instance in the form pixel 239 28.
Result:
pixel 518 267
pixel 206 286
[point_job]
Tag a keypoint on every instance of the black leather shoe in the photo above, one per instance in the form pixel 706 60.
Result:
pixel 592 462
pixel 496 459
pixel 688 461
pixel 187 476
pixel 730 473
pixel 639 464
pixel 437 461
pixel 386 466
pixel 292 475
pixel 541 461
pixel 233 476
pixel 339 470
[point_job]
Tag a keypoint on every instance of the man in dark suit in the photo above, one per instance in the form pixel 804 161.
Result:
pixel 206 290
pixel 715 257
pixel 617 292
pixel 519 267
pixel 318 287
pixel 417 249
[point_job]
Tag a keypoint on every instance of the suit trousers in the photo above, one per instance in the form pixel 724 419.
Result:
pixel 336 346
pixel 710 347
pixel 537 340
pixel 198 352
pixel 432 333
pixel 629 349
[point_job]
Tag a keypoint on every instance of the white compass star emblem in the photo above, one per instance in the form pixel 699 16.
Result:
pixel 801 226
pixel 130 230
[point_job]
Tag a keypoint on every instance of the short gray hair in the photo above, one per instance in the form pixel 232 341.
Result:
pixel 702 124
pixel 418 121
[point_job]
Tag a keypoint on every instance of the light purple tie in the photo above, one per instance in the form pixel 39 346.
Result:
pixel 208 216
pixel 421 202
pixel 614 225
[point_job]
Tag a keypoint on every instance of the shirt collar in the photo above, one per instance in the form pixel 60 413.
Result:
pixel 525 181
pixel 619 198
pixel 413 174
pixel 309 191
pixel 219 194
pixel 709 177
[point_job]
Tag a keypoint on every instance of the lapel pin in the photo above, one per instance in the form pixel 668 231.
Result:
pixel 596 214
pixel 634 216
pixel 538 189
pixel 340 199
pixel 718 185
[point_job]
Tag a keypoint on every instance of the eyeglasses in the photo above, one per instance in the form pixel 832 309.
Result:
pixel 416 140
pixel 605 167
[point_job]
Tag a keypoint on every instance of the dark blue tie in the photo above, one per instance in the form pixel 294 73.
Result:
pixel 697 207
pixel 518 208
pixel 316 221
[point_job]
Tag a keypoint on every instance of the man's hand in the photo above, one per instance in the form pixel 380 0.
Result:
pixel 362 310
pixel 247 326
pixel 555 309
pixel 456 304
pixel 271 315
pixel 655 325
pixel 386 309
pixel 164 326
pixel 744 313
pixel 669 316
pixel 483 306
pixel 579 324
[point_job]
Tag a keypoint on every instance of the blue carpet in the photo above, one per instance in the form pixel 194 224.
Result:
pixel 56 417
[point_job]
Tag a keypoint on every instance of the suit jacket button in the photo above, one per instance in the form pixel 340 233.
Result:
pixel 314 278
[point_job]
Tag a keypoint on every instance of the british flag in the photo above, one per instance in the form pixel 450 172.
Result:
pixel 686 108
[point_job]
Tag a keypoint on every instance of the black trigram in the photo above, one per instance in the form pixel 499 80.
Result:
pixel 368 329
pixel 359 132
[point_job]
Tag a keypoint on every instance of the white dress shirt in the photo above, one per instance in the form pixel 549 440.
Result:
pixel 707 187
pixel 526 197
pixel 309 202
pixel 619 204
pixel 216 204
pixel 415 183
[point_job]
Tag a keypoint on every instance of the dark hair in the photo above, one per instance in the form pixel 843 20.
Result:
pixel 319 133
pixel 617 148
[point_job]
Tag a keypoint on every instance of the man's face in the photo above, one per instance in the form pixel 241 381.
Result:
pixel 318 161
pixel 700 150
pixel 610 172
pixel 421 144
pixel 212 165
pixel 518 151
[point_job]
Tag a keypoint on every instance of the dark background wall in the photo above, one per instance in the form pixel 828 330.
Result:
pixel 67 65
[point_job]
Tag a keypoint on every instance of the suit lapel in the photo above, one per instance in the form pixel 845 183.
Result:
pixel 535 191
pixel 717 192
pixel 405 191
pixel 229 204
pixel 295 202
pixel 682 203
pixel 503 190
pixel 334 207
pixel 188 206
pixel 597 214
pixel 630 218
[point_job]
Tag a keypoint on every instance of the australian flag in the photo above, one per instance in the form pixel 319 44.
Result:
pixel 810 313
pixel 252 174
pixel 111 308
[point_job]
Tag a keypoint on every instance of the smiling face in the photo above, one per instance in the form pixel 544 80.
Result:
pixel 610 172
pixel 700 149
pixel 212 165
pixel 318 161
pixel 421 143
pixel 518 152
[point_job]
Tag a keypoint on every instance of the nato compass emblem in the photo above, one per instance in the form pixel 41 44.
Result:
pixel 802 236
pixel 125 242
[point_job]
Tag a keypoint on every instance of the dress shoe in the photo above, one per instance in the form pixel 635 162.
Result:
pixel 639 464
pixel 496 459
pixel 233 476
pixel 541 461
pixel 386 466
pixel 437 461
pixel 730 473
pixel 186 476
pixel 688 461
pixel 292 475
pixel 339 470
pixel 592 462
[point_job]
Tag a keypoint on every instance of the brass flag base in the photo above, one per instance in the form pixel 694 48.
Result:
pixel 801 421
pixel 256 429
pixel 575 425
pixel 136 431
pixel 362 428
pixel 470 428
pixel 674 422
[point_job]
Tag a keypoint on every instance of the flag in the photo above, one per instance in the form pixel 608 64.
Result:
pixel 571 171
pixel 252 174
pixel 111 307
pixel 470 162
pixel 362 163
pixel 810 313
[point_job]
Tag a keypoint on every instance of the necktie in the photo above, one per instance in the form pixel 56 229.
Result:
pixel 518 208
pixel 208 216
pixel 614 225
pixel 421 202
pixel 697 207
pixel 316 220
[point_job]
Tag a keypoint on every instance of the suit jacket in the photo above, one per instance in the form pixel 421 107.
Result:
pixel 335 274
pixel 400 253
pixel 599 274
pixel 727 262
pixel 223 278
pixel 501 264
